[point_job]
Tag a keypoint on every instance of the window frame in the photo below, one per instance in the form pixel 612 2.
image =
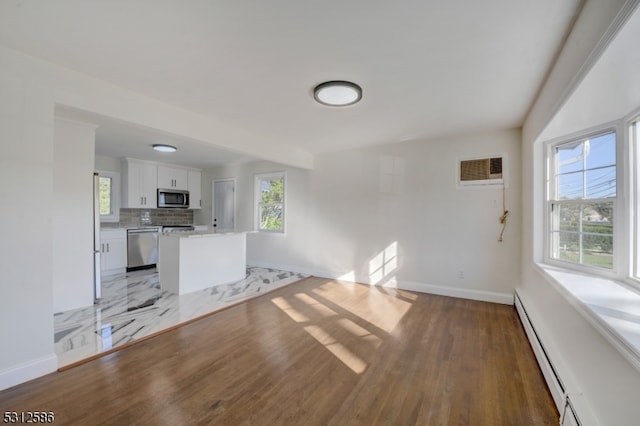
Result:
pixel 114 196
pixel 624 217
pixel 258 179
pixel 551 199
pixel 596 292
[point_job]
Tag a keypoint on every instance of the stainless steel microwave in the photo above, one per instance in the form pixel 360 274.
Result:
pixel 173 198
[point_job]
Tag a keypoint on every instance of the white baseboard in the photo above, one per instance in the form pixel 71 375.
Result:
pixel 462 293
pixel 572 405
pixel 28 371
pixel 555 385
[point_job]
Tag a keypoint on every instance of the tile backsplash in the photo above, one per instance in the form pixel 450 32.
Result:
pixel 141 217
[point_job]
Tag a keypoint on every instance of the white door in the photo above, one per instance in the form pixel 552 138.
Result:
pixel 224 205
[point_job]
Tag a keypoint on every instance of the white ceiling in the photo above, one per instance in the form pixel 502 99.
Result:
pixel 114 140
pixel 427 68
pixel 117 139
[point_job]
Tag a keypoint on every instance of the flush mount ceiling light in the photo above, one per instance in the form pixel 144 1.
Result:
pixel 164 148
pixel 337 93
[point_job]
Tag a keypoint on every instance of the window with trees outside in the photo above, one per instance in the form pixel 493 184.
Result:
pixel 109 196
pixel 583 199
pixel 270 198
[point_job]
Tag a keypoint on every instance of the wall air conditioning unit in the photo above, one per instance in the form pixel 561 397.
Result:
pixel 482 171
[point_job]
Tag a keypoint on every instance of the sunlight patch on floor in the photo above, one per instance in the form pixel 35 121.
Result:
pixel 365 315
pixel 349 276
pixel 382 310
pixel 285 307
pixel 319 307
pixel 360 332
pixel 348 358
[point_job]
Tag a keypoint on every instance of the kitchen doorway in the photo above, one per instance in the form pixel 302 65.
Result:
pixel 224 205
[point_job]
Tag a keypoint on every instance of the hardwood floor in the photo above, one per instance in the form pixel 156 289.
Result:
pixel 316 352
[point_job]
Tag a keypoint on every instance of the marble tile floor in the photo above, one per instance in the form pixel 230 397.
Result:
pixel 134 306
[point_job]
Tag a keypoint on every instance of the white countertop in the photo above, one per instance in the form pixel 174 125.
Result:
pixel 125 228
pixel 200 234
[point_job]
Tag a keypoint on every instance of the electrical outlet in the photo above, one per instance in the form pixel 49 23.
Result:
pixel 461 274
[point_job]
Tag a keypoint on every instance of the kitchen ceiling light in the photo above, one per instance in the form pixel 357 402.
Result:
pixel 337 93
pixel 164 148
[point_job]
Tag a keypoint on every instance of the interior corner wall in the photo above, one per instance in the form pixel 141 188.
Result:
pixel 74 151
pixel 108 164
pixel 394 215
pixel 593 371
pixel 26 258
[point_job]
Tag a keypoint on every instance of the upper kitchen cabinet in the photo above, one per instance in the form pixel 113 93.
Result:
pixel 172 178
pixel 195 189
pixel 140 184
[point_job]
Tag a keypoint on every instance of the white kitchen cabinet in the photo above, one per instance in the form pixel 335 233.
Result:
pixel 172 177
pixel 139 184
pixel 113 250
pixel 195 189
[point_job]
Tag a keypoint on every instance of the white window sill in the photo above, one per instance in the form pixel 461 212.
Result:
pixel 610 306
pixel 270 233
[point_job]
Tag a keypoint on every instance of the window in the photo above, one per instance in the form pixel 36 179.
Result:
pixel 270 195
pixel 109 196
pixel 582 200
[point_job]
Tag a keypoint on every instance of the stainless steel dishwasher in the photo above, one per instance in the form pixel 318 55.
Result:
pixel 142 248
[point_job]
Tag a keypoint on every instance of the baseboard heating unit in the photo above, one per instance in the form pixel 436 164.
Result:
pixel 558 390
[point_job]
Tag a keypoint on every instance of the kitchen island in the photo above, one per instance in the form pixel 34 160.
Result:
pixel 191 261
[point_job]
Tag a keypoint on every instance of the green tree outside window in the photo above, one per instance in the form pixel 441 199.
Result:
pixel 271 204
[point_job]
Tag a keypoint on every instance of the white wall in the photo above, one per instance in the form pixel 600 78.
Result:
pixel 589 36
pixel 73 153
pixel 108 164
pixel 393 214
pixel 26 255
